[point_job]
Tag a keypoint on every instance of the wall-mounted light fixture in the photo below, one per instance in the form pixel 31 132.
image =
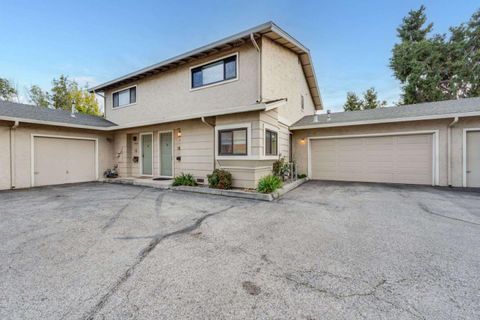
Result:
pixel 302 141
pixel 179 133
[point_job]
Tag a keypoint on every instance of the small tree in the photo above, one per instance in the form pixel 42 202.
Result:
pixel 353 103
pixel 8 92
pixel 38 97
pixel 370 100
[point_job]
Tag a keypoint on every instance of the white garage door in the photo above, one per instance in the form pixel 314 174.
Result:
pixel 58 161
pixel 390 159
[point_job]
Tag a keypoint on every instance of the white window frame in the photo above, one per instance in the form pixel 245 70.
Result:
pixel 216 83
pixel 160 156
pixel 141 152
pixel 435 148
pixel 125 105
pixel 269 127
pixel 247 125
pixel 464 154
pixel 32 151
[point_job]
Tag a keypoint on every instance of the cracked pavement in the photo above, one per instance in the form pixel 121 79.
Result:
pixel 326 250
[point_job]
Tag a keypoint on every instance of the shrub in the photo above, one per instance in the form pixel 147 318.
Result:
pixel 302 175
pixel 269 184
pixel 220 179
pixel 281 168
pixel 184 179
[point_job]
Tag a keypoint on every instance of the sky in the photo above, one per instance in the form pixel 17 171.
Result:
pixel 96 41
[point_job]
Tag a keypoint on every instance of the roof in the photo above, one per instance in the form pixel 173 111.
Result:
pixel 25 112
pixel 420 111
pixel 268 29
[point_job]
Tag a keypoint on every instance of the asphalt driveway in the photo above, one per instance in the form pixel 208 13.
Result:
pixel 324 251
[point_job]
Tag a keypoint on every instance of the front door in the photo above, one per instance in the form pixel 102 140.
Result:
pixel 473 159
pixel 166 154
pixel 147 154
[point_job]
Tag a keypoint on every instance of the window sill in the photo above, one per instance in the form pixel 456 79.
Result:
pixel 124 106
pixel 246 157
pixel 214 84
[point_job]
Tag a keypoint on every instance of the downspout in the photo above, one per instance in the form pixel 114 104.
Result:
pixel 211 126
pixel 12 154
pixel 255 44
pixel 449 151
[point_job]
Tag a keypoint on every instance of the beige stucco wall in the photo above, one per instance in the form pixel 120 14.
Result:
pixel 23 136
pixel 300 149
pixel 168 94
pixel 283 77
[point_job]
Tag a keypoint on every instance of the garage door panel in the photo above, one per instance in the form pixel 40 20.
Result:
pixel 59 161
pixel 390 159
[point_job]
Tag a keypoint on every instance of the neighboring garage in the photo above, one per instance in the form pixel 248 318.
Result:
pixel 42 146
pixel 430 143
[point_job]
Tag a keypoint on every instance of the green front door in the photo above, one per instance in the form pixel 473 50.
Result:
pixel 166 154
pixel 147 154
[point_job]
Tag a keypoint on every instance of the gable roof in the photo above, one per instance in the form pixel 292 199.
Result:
pixel 412 112
pixel 269 29
pixel 18 111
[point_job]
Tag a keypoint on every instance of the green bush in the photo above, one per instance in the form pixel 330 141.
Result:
pixel 302 175
pixel 184 179
pixel 220 179
pixel 269 184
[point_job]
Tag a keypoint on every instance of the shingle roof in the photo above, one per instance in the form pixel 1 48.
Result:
pixel 30 112
pixel 402 113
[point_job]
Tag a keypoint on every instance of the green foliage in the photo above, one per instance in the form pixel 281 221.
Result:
pixel 370 101
pixel 7 90
pixel 269 184
pixel 302 176
pixel 38 97
pixel 184 179
pixel 438 67
pixel 65 92
pixel 220 179
pixel 281 168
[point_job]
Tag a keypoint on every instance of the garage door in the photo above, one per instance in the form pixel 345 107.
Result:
pixel 58 161
pixel 390 159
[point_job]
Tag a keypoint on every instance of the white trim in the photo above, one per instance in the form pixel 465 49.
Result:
pixel 160 156
pixel 435 148
pixel 465 154
pixel 125 105
pixel 237 73
pixel 32 152
pixel 244 168
pixel 355 123
pixel 141 153
pixel 285 121
pixel 247 125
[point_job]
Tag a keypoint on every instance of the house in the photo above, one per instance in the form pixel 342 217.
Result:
pixel 238 104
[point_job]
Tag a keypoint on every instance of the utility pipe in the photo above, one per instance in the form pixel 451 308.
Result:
pixel 12 154
pixel 449 151
pixel 255 44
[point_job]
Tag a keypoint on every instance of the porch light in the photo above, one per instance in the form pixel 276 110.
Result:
pixel 179 133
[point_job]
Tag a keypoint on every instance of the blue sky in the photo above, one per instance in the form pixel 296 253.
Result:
pixel 95 41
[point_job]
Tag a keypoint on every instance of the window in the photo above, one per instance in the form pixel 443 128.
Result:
pixel 232 142
pixel 218 71
pixel 125 97
pixel 271 143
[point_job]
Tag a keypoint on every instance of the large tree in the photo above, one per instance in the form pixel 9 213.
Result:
pixel 65 92
pixel 438 67
pixel 38 97
pixel 8 92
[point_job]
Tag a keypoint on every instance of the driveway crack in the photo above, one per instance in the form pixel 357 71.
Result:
pixel 141 256
pixel 426 209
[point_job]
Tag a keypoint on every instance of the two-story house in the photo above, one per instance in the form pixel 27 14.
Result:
pixel 238 104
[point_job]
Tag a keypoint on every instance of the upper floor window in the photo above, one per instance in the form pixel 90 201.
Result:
pixel 125 97
pixel 271 143
pixel 215 72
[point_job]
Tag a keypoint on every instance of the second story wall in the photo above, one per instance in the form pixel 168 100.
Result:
pixel 283 77
pixel 169 94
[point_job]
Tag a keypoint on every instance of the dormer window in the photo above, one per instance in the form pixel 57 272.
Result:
pixel 215 72
pixel 125 97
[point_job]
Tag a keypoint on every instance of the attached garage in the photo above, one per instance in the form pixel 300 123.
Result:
pixel 393 158
pixel 59 160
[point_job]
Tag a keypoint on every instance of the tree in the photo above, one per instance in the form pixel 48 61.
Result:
pixel 65 92
pixel 353 103
pixel 38 97
pixel 438 67
pixel 370 100
pixel 8 92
